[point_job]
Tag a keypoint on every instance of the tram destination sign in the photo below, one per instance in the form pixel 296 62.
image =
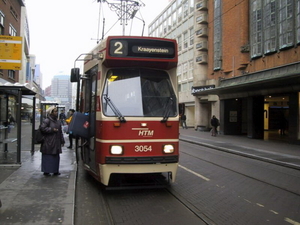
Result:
pixel 141 48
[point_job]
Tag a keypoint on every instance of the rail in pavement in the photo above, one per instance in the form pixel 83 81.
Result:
pixel 279 153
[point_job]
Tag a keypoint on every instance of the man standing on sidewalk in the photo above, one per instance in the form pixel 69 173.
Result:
pixel 183 121
pixel 214 123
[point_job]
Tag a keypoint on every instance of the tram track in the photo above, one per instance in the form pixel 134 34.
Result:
pixel 191 207
pixel 145 202
pixel 251 176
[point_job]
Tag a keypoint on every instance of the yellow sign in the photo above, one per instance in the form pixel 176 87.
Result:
pixel 10 52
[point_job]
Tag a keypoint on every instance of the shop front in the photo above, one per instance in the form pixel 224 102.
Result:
pixel 268 100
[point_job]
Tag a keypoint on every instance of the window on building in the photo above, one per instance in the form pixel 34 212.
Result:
pixel 270 26
pixel 12 74
pixel 217 36
pixel 256 25
pixel 12 31
pixel 185 71
pixel 298 21
pixel 160 31
pixel 170 23
pixel 165 26
pixel 275 25
pixel 174 19
pixel 192 33
pixel 192 5
pixel 184 87
pixel 179 87
pixel 1 23
pixel 179 40
pixel 179 71
pixel 185 40
pixel 286 24
pixel 179 14
pixel 191 69
pixel 190 85
pixel 185 9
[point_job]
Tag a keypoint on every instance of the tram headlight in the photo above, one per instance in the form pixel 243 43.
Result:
pixel 168 149
pixel 116 150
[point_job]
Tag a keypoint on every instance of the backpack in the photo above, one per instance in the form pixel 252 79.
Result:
pixel 38 136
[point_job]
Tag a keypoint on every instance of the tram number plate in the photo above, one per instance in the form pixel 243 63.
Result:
pixel 143 148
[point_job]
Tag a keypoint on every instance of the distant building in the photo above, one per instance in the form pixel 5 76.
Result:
pixel 61 90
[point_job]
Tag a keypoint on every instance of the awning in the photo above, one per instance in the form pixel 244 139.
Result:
pixel 278 80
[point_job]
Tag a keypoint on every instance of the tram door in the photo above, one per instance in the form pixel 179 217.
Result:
pixel 89 88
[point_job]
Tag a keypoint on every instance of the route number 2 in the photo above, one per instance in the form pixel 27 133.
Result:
pixel 118 48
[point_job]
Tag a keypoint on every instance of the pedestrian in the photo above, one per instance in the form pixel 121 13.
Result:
pixel 282 124
pixel 183 121
pixel 68 121
pixel 214 123
pixel 53 142
pixel 62 117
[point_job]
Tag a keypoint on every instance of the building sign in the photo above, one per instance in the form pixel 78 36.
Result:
pixel 196 90
pixel 10 52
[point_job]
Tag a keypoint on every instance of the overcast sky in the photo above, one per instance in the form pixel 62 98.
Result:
pixel 61 30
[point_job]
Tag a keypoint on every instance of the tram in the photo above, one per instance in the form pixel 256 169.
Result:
pixel 127 119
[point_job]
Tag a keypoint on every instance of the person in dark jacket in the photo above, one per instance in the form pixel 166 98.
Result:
pixel 214 123
pixel 183 121
pixel 53 142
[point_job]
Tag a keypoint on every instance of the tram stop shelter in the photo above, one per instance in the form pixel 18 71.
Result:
pixel 17 122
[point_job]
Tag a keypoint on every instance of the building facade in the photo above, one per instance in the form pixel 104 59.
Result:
pixel 10 25
pixel 248 74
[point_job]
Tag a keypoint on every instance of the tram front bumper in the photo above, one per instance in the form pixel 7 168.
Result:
pixel 107 169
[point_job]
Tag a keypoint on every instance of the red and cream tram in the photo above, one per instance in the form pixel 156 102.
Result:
pixel 128 107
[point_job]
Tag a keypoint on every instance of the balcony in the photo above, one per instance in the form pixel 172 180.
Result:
pixel 201 5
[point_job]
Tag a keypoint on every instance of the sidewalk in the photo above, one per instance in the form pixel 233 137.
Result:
pixel 277 152
pixel 28 197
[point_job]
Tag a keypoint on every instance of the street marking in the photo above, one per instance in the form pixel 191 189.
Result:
pixel 248 201
pixel 272 211
pixel 260 205
pixel 197 174
pixel 291 221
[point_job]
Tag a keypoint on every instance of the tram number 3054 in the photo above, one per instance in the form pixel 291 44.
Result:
pixel 143 148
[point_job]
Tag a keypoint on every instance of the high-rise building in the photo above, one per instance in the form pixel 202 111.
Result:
pixel 61 90
pixel 188 26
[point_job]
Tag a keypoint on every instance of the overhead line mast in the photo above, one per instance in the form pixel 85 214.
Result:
pixel 125 10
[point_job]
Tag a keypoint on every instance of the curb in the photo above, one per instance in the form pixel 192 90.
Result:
pixel 231 151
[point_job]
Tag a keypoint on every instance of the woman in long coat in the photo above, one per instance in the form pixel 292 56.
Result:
pixel 53 142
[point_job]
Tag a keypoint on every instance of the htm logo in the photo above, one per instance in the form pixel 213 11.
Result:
pixel 146 133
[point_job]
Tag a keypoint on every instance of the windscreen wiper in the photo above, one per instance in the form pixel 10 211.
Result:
pixel 167 110
pixel 114 109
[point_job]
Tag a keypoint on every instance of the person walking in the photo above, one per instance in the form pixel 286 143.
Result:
pixel 214 123
pixel 53 142
pixel 62 117
pixel 68 121
pixel 183 121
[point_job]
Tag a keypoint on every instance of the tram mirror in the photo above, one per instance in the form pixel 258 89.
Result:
pixel 74 75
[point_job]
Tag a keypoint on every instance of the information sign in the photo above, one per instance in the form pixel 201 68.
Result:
pixel 10 52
